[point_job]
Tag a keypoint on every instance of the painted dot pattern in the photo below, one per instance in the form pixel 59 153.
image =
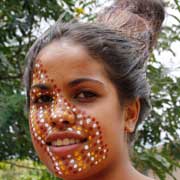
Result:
pixel 42 115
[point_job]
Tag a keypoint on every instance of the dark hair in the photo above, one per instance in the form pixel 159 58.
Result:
pixel 123 58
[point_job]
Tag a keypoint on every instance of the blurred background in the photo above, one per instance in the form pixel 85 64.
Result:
pixel 157 149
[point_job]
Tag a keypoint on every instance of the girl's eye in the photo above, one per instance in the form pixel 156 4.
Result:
pixel 43 99
pixel 85 96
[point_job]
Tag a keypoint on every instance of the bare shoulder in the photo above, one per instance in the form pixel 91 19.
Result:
pixel 146 178
pixel 143 177
pixel 138 175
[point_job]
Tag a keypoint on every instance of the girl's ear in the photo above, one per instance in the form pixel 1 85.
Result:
pixel 131 115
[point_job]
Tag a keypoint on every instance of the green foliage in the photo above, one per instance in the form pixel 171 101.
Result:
pixel 14 128
pixel 159 162
pixel 165 114
pixel 24 170
pixel 20 22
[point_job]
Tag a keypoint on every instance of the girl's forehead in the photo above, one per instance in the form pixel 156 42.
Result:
pixel 62 49
pixel 65 61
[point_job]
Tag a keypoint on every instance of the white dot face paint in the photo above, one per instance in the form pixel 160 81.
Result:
pixel 49 111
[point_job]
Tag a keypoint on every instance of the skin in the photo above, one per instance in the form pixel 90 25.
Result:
pixel 62 63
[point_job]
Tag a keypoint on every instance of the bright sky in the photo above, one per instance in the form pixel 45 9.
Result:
pixel 166 58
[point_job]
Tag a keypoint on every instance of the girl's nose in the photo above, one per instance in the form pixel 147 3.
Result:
pixel 63 118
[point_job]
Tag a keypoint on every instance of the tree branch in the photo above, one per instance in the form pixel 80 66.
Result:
pixel 10 77
pixel 22 166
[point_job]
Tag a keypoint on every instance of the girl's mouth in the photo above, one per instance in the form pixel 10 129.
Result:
pixel 64 143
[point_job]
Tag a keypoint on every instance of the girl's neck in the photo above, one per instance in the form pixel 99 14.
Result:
pixel 127 172
pixel 115 172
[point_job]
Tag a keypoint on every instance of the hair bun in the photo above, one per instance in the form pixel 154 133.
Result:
pixel 136 19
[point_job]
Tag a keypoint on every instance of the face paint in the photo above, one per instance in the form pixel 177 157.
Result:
pixel 71 138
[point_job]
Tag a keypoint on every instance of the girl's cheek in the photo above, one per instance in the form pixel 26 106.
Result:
pixel 88 155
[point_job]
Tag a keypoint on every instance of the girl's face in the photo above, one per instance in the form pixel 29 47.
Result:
pixel 76 122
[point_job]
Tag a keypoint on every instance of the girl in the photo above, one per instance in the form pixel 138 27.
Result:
pixel 87 91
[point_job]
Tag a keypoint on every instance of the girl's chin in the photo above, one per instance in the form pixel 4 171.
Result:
pixel 88 173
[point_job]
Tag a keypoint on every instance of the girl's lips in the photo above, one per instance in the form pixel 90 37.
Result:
pixel 63 135
pixel 66 149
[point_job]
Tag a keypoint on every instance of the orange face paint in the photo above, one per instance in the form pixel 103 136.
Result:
pixel 69 137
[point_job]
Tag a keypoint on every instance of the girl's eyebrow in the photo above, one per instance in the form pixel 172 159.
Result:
pixel 71 84
pixel 41 87
pixel 81 80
